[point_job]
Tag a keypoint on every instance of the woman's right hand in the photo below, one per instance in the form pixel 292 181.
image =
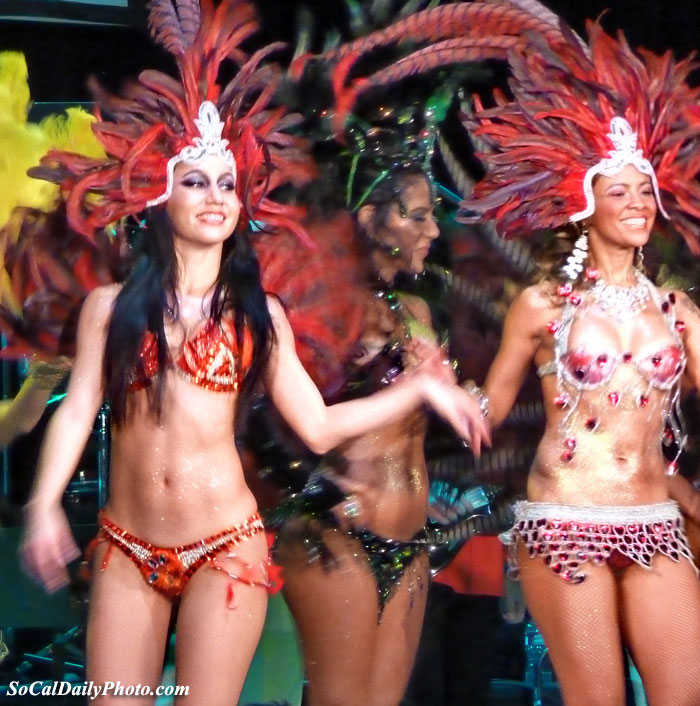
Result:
pixel 47 546
pixel 460 409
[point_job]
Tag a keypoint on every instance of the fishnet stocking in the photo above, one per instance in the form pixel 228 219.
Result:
pixel 128 626
pixel 660 615
pixel 127 629
pixel 657 610
pixel 580 627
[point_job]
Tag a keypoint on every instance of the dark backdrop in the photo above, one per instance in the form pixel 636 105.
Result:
pixel 61 56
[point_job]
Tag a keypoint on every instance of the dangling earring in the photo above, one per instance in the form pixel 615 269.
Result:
pixel 639 260
pixel 574 263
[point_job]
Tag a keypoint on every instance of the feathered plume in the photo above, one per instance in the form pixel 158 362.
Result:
pixel 542 142
pixel 555 127
pixel 456 33
pixel 154 120
pixel 23 143
pixel 323 295
pixel 47 271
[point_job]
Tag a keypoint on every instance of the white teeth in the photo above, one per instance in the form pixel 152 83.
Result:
pixel 214 218
pixel 635 222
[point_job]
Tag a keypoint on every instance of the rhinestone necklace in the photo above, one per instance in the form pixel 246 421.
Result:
pixel 621 303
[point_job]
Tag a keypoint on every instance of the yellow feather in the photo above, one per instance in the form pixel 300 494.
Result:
pixel 72 132
pixel 14 91
pixel 23 144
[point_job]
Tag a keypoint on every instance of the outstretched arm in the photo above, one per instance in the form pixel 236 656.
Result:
pixel 324 427
pixel 522 336
pixel 21 414
pixel 48 545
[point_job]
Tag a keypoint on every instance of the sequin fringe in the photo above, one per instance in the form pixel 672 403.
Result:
pixel 567 536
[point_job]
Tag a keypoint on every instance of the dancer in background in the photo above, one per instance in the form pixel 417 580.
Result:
pixel 363 556
pixel 174 350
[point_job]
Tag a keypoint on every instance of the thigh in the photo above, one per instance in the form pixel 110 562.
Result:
pixel 579 624
pixel 660 610
pixel 335 608
pixel 127 627
pixel 398 635
pixel 218 627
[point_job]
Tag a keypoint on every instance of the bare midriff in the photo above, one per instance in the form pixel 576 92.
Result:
pixel 179 478
pixel 389 467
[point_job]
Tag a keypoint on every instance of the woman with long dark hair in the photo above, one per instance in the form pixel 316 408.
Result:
pixel 174 349
pixel 352 543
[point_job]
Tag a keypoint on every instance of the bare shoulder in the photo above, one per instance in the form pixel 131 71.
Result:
pixel 685 305
pixel 417 308
pixel 538 300
pixel 98 305
pixel 280 323
pixel 275 308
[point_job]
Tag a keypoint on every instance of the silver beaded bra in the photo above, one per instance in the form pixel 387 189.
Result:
pixel 588 368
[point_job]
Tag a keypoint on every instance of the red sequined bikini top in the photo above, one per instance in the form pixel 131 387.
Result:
pixel 208 359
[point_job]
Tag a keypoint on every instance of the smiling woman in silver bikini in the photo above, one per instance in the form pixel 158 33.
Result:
pixel 599 544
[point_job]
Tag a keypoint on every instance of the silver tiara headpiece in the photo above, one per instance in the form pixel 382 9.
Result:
pixel 209 143
pixel 625 152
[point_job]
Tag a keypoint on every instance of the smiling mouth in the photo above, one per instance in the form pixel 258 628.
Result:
pixel 212 218
pixel 637 223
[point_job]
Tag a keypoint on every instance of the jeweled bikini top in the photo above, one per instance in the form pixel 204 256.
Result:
pixel 208 359
pixel 586 369
pixel 589 368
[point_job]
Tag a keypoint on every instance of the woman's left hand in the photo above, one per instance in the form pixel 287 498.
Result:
pixel 461 410
pixel 426 356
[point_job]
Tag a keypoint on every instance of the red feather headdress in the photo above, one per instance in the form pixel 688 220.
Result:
pixel 543 145
pixel 160 118
pixel 569 117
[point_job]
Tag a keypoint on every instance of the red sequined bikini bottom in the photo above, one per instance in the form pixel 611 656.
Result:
pixel 567 536
pixel 168 569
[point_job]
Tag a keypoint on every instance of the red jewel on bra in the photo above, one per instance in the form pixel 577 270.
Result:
pixel 680 326
pixel 575 299
pixel 591 423
pixel 561 400
pixel 643 401
pixel 587 368
pixel 613 398
pixel 553 326
pixel 563 290
pixel 591 273
pixel 626 357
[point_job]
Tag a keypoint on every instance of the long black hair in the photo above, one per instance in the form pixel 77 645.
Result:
pixel 150 291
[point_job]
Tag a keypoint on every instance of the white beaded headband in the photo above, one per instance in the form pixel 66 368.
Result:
pixel 625 153
pixel 209 143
